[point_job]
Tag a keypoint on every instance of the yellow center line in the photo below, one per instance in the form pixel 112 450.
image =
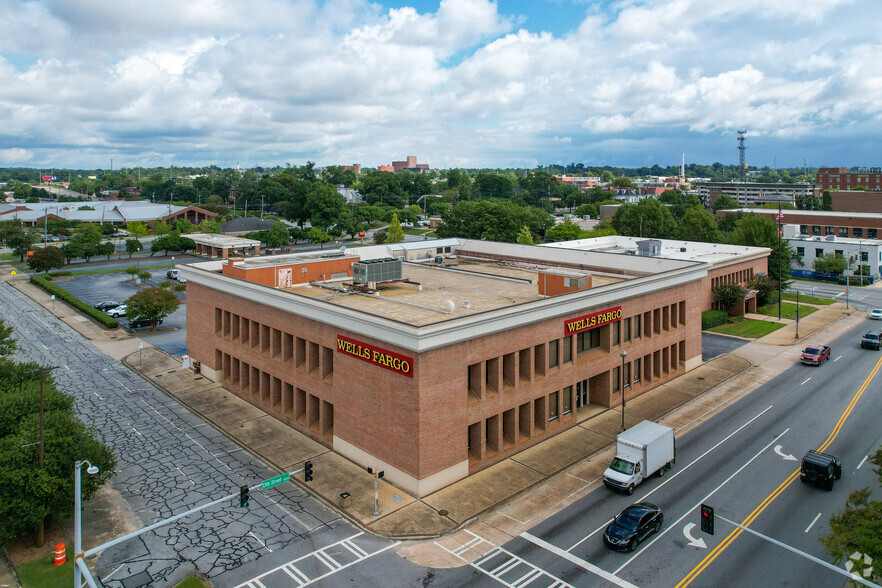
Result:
pixel 710 557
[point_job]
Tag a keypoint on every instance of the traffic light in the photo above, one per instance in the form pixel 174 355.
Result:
pixel 376 474
pixel 707 519
pixel 243 495
pixel 307 471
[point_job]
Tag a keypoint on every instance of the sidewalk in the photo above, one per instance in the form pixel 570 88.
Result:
pixel 497 503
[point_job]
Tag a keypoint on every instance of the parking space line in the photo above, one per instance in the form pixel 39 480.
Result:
pixel 814 520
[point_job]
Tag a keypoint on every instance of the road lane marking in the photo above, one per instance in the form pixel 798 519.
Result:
pixel 259 541
pixel 687 532
pixel 686 467
pixel 709 558
pixel 807 379
pixel 837 359
pixel 786 456
pixel 814 520
pixel 862 462
pixel 703 500
pixel 578 561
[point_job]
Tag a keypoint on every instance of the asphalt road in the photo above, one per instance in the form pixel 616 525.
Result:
pixel 713 345
pixel 734 462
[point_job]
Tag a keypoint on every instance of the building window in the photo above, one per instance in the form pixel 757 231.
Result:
pixel 616 333
pixel 839 253
pixel 803 229
pixel 865 256
pixel 637 326
pixel 553 360
pixel 800 251
pixel 858 232
pixel 567 349
pixel 587 340
pixel 552 406
pixel 871 233
pixel 828 230
pixel 638 365
pixel 615 380
pixel 816 230
pixel 819 252
pixel 627 375
pixel 567 400
pixel 843 231
pixel 626 327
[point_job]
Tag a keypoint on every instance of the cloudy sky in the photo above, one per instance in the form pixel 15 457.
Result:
pixel 457 83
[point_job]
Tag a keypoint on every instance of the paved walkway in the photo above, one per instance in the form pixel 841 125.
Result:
pixel 499 502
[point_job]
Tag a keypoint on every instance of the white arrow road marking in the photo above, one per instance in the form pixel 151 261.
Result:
pixel 786 456
pixel 693 542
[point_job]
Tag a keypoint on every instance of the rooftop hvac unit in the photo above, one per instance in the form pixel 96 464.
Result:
pixel 649 247
pixel 377 270
pixel 831 237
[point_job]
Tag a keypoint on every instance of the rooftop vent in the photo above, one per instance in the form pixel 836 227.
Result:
pixel 649 247
pixel 386 269
pixel 831 237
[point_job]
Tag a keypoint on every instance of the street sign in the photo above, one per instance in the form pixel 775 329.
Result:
pixel 13 272
pixel 280 479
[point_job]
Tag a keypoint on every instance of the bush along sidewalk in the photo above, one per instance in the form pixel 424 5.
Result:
pixel 62 294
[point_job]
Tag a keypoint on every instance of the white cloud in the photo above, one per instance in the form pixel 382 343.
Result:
pixel 346 80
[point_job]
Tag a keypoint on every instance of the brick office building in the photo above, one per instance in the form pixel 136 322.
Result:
pixel 471 352
pixel 839 178
pixel 821 223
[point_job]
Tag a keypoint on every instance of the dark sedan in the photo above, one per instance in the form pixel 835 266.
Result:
pixel 633 525
pixel 106 305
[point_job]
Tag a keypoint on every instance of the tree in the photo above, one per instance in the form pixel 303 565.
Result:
pixel 316 235
pixel 133 271
pixel 107 248
pixel 754 230
pixel 394 233
pixel 858 527
pixel 325 206
pixel 72 250
pixel 729 295
pixel 622 183
pixel 829 263
pixel 21 242
pixel 586 210
pixel 826 201
pixel 278 236
pixel 184 226
pixel 492 221
pixel 46 259
pixel 565 231
pixel 525 237
pixel 133 246
pixel 136 228
pixel 153 304
pixel 698 225
pixel 725 202
pixel 160 228
pixel 649 219
pixel 211 226
pixel 88 234
pixel 29 495
pixel 766 288
pixel 380 237
pixel 7 343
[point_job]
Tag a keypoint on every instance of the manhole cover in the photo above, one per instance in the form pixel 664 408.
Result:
pixel 396 499
pixel 443 513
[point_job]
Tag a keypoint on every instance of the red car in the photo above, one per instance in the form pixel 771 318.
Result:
pixel 815 355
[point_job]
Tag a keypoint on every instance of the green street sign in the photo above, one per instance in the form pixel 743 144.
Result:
pixel 280 479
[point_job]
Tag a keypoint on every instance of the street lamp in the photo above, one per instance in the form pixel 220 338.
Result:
pixel 78 534
pixel 624 354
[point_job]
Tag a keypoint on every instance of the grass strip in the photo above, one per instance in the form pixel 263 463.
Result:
pixel 749 328
pixel 808 299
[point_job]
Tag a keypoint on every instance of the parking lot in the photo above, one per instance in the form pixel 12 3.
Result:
pixel 171 335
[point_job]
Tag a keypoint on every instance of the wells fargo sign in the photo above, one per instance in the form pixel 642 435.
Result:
pixel 375 355
pixel 590 321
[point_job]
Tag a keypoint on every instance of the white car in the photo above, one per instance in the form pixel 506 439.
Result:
pixel 876 313
pixel 118 312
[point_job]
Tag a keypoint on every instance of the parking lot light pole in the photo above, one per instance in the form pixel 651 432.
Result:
pixel 78 523
pixel 797 315
pixel 624 354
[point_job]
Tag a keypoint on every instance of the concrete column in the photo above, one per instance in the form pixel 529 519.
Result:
pixel 257 250
pixel 225 251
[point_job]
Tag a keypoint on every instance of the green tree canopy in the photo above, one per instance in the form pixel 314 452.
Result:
pixel 153 304
pixel 829 263
pixel 88 234
pixel 725 202
pixel 326 207
pixel 649 219
pixel 729 295
pixel 20 241
pixel 754 230
pixel 394 233
pixel 278 235
pixel 210 225
pixel 133 246
pixel 698 225
pixel 316 235
pixel 46 259
pixel 136 228
pixel 565 231
pixel 525 237
pixel 492 221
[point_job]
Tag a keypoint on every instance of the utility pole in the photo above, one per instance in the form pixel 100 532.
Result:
pixel 41 535
pixel 780 231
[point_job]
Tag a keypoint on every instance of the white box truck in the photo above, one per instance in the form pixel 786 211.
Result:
pixel 644 449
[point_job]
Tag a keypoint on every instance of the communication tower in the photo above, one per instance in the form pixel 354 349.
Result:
pixel 742 167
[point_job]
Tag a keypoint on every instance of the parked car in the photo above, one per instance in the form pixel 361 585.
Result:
pixel 821 469
pixel 633 525
pixel 106 305
pixel 876 314
pixel 172 274
pixel 815 355
pixel 119 311
pixel 138 322
pixel 870 341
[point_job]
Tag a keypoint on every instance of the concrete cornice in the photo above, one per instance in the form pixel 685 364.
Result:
pixel 451 331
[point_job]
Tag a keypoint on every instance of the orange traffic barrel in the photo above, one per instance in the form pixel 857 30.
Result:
pixel 60 556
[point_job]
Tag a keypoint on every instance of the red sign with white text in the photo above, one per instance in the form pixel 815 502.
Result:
pixel 376 355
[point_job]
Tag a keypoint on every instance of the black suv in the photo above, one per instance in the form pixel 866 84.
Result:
pixel 820 469
pixel 138 322
pixel 870 341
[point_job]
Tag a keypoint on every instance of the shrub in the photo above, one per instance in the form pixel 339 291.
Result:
pixel 60 274
pixel 62 294
pixel 713 318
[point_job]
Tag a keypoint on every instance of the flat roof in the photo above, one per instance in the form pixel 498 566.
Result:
pixel 222 241
pixel 670 248
pixel 809 213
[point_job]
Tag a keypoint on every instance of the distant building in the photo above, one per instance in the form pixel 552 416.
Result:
pixel 856 201
pixel 351 195
pixel 385 168
pixel 115 212
pixel 583 182
pixel 809 247
pixel 752 193
pixel 356 167
pixel 823 223
pixel 245 225
pixel 410 164
pixel 839 178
